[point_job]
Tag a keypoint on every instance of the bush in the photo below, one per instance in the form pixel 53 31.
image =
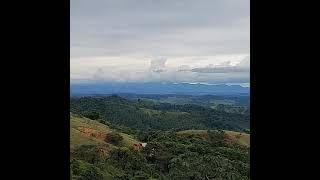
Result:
pixel 247 131
pixel 85 171
pixel 91 115
pixel 102 121
pixel 89 153
pixel 114 138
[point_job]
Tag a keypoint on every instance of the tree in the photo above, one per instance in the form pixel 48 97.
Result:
pixel 91 115
pixel 85 171
pixel 114 138
pixel 89 153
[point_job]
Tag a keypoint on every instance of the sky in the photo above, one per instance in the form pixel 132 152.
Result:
pixel 204 41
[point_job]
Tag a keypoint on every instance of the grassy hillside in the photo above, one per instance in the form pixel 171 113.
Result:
pixel 168 155
pixel 84 131
pixel 232 136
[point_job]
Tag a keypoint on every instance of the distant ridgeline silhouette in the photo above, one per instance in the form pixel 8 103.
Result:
pixel 159 88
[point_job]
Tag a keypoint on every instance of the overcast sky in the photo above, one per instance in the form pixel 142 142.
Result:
pixel 160 40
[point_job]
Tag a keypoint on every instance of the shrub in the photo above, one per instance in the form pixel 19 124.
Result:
pixel 114 138
pixel 89 153
pixel 91 115
pixel 85 171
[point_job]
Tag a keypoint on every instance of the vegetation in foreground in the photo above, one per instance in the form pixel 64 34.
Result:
pixel 181 155
pixel 84 131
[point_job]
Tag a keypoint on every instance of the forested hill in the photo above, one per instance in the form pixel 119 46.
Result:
pixel 163 116
pixel 158 88
pixel 98 151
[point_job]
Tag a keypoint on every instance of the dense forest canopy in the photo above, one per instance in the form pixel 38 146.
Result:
pixel 144 114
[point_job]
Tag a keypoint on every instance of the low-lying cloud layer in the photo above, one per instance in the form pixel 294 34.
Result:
pixel 161 69
pixel 225 67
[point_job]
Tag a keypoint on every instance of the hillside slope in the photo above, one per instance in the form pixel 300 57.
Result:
pixel 231 136
pixel 84 131
pixel 167 155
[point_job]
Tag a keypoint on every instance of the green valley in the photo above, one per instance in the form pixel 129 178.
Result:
pixel 116 138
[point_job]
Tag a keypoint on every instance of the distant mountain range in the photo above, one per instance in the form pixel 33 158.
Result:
pixel 158 88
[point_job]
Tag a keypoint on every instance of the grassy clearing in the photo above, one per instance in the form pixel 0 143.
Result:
pixel 84 131
pixel 236 137
pixel 240 138
pixel 151 112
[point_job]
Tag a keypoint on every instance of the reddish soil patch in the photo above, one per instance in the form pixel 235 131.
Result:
pixel 137 147
pixel 204 136
pixel 231 140
pixel 91 132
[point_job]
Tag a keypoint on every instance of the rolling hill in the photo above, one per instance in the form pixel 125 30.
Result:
pixel 141 115
pixel 158 88
pixel 242 139
pixel 167 155
pixel 84 131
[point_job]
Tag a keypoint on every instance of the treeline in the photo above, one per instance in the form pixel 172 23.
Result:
pixel 204 100
pixel 166 156
pixel 213 119
pixel 164 116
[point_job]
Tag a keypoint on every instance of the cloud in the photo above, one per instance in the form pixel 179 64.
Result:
pixel 184 68
pixel 245 63
pixel 150 40
pixel 166 27
pixel 158 64
pixel 214 70
pixel 225 67
pixel 127 69
pixel 99 74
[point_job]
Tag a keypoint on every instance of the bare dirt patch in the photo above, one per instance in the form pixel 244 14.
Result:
pixel 91 133
pixel 237 139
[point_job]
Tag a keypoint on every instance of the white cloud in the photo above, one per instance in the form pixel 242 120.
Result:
pixel 226 67
pixel 126 69
pixel 158 64
pixel 149 40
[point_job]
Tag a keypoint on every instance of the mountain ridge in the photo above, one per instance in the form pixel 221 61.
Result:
pixel 159 88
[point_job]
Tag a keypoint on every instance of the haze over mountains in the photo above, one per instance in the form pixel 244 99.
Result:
pixel 158 88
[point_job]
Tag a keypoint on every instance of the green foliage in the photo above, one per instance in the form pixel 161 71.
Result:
pixel 203 100
pixel 217 137
pixel 168 154
pixel 89 153
pixel 85 171
pixel 113 138
pixel 127 159
pixel 232 108
pixel 144 115
pixel 91 115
